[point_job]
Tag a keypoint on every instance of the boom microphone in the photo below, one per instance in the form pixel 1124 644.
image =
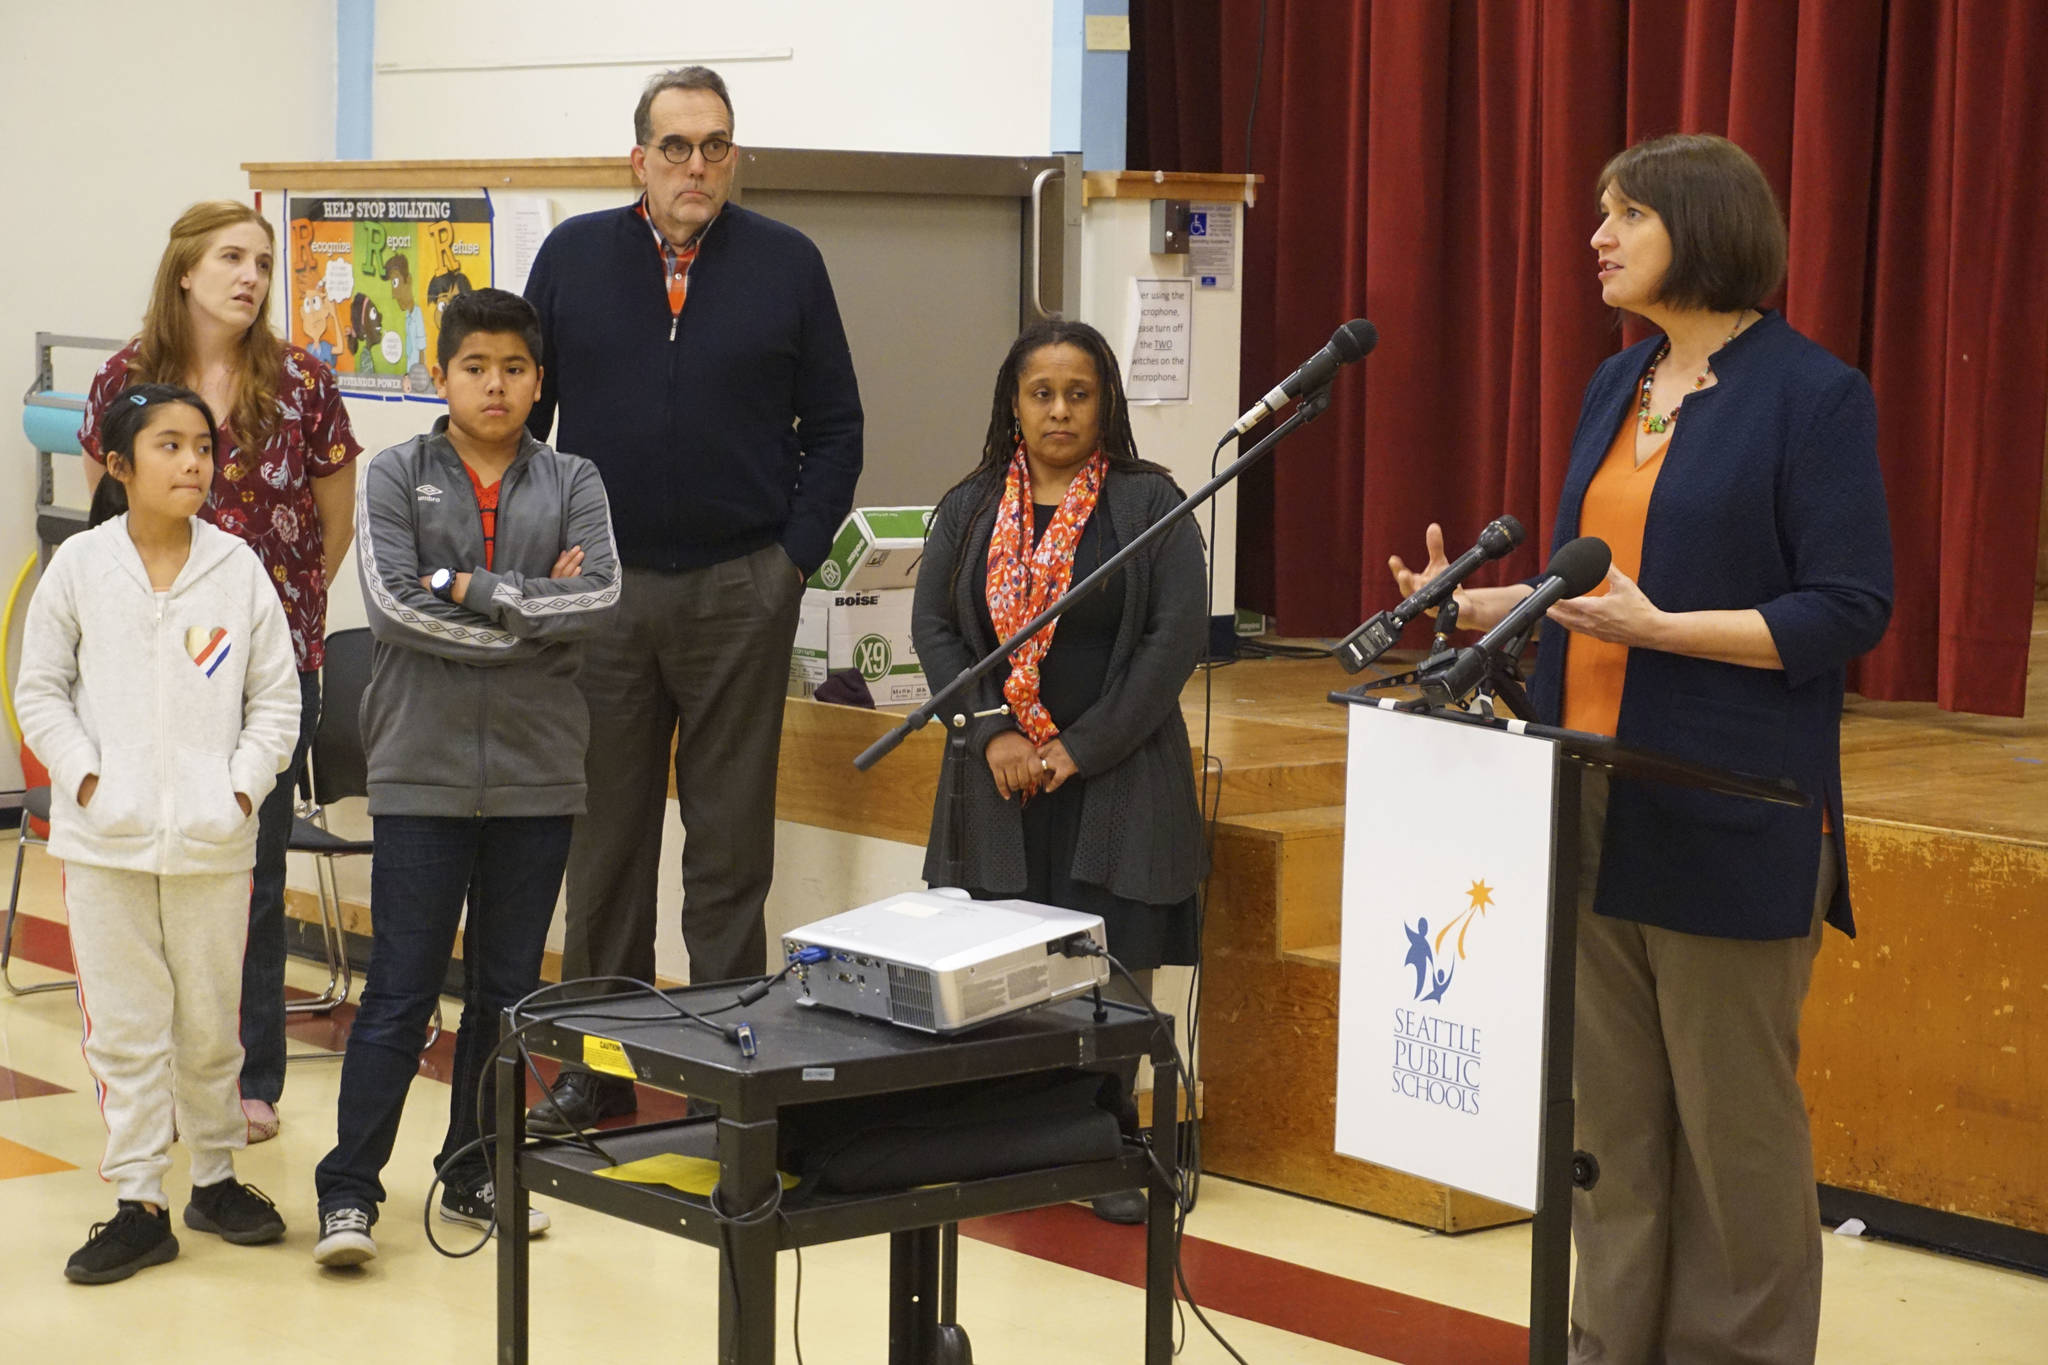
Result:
pixel 1577 568
pixel 1377 636
pixel 1350 342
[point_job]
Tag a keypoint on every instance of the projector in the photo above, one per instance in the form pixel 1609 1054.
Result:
pixel 940 961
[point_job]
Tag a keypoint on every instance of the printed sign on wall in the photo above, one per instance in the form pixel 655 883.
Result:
pixel 369 276
pixel 1446 929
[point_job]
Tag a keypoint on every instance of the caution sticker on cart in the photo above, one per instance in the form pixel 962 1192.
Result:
pixel 607 1055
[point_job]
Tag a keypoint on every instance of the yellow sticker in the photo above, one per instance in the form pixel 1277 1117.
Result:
pixel 690 1174
pixel 607 1055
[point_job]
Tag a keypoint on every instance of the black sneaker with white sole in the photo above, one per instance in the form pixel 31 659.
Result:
pixel 345 1236
pixel 237 1213
pixel 132 1239
pixel 477 1206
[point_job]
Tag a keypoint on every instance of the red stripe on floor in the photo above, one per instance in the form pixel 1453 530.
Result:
pixel 1264 1289
pixel 1243 1284
pixel 16 1086
pixel 44 942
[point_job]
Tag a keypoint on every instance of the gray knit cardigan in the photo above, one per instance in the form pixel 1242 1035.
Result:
pixel 1141 826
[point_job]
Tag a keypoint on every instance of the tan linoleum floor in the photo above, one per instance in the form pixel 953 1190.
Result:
pixel 605 1290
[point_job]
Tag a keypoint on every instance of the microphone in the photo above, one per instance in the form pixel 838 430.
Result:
pixel 1350 342
pixel 1501 536
pixel 1577 568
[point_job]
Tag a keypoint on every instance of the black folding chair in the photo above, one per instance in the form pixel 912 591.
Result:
pixel 35 805
pixel 337 769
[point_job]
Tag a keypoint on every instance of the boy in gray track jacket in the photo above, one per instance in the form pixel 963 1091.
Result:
pixel 485 557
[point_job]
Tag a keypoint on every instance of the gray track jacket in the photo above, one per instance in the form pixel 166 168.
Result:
pixel 472 708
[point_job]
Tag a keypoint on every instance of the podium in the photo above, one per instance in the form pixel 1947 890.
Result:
pixel 1460 934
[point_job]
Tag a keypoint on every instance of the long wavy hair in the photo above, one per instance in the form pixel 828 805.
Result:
pixel 164 349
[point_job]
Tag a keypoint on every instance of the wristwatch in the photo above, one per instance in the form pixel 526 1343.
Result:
pixel 441 582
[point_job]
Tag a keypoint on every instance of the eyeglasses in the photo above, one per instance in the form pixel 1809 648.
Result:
pixel 678 150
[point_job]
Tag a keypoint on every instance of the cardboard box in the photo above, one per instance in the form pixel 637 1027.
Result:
pixel 860 629
pixel 877 549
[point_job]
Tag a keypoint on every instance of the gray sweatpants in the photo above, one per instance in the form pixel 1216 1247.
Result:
pixel 159 963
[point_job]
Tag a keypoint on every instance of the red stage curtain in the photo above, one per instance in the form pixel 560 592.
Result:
pixel 1430 164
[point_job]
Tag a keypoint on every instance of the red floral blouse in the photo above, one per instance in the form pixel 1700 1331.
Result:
pixel 266 497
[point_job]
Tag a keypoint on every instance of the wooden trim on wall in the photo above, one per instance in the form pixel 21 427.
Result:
pixel 1169 185
pixel 761 168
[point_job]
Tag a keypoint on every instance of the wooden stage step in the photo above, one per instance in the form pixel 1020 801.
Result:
pixel 1269 1026
pixel 1921 1037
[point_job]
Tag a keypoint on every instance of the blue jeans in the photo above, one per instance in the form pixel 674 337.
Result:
pixel 263 960
pixel 510 872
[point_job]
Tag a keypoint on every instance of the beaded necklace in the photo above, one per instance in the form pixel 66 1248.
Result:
pixel 1657 425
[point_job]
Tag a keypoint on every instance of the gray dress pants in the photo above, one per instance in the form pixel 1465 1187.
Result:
pixel 699 659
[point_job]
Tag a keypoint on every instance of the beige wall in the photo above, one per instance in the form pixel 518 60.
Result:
pixel 115 115
pixel 560 80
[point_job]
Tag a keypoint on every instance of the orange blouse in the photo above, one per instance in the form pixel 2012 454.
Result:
pixel 1616 506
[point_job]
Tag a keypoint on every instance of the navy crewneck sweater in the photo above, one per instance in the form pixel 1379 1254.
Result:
pixel 734 428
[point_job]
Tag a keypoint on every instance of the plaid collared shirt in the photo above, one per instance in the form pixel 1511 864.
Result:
pixel 675 265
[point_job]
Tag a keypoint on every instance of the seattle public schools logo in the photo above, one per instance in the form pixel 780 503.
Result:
pixel 1425 954
pixel 1436 1057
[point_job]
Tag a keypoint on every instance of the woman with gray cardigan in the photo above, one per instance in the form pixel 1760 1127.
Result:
pixel 1083 795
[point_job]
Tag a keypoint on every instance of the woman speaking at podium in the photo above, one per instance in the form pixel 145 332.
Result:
pixel 1731 465
pixel 1082 795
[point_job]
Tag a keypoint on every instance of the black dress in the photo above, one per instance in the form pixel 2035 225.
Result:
pixel 1071 677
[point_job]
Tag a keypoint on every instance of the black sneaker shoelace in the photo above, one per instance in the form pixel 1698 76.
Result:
pixel 131 1223
pixel 244 1199
pixel 344 1220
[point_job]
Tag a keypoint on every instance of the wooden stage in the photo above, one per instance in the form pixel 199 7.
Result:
pixel 1923 1037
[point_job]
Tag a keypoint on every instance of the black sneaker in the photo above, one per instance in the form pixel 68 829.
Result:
pixel 237 1213
pixel 477 1206
pixel 345 1236
pixel 134 1238
pixel 583 1098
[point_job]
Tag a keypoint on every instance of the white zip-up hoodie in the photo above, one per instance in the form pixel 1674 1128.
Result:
pixel 176 700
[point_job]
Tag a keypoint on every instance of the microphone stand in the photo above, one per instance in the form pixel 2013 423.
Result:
pixel 1501 678
pixel 1312 406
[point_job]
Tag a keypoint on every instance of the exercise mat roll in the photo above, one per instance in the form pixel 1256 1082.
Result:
pixel 52 429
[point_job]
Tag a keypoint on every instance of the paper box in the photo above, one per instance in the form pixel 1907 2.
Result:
pixel 877 549
pixel 858 629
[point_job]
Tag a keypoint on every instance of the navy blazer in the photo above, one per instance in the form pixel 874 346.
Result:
pixel 1770 497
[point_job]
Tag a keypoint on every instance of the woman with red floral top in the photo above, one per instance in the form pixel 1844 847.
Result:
pixel 284 482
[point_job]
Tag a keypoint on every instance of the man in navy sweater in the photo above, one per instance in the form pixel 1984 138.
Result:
pixel 694 354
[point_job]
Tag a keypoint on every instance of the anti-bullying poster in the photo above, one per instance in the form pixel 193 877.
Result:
pixel 370 276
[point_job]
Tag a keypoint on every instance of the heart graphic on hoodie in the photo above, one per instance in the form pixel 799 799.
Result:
pixel 207 646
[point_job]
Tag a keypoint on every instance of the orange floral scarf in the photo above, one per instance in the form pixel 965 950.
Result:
pixel 1024 579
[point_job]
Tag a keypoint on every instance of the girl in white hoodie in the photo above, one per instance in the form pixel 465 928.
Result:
pixel 158 686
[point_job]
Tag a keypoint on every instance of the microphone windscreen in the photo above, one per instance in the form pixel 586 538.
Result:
pixel 1354 340
pixel 1581 563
